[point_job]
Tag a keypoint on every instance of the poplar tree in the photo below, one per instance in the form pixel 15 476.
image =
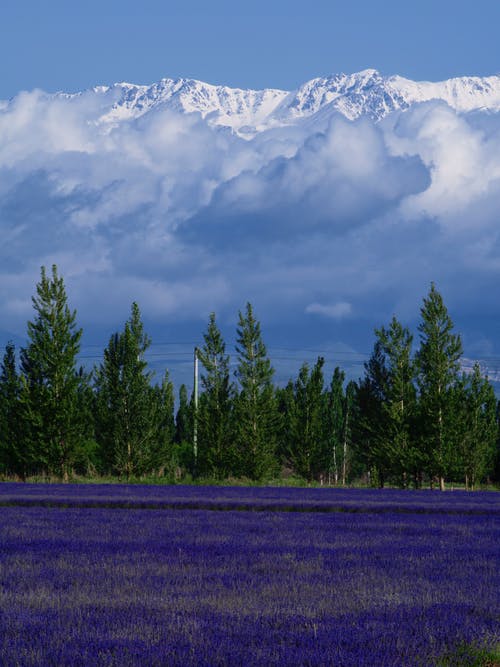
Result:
pixel 108 403
pixel 163 457
pixel 372 420
pixel 57 430
pixel 477 427
pixel 184 418
pixel 335 426
pixel 184 431
pixel 396 437
pixel 285 400
pixel 438 363
pixel 256 416
pixel 348 427
pixel 11 452
pixel 126 405
pixel 216 453
pixel 306 418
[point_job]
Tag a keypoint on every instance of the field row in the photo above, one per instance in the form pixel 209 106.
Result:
pixel 164 587
pixel 131 496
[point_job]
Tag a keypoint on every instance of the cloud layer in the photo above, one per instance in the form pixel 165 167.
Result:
pixel 330 230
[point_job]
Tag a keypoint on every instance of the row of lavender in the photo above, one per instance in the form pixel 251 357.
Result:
pixel 228 497
pixel 116 587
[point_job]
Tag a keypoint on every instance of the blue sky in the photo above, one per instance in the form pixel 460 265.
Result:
pixel 353 240
pixel 60 45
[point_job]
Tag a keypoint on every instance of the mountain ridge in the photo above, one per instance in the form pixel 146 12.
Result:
pixel 249 111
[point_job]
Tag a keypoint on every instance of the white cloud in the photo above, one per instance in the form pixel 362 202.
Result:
pixel 336 311
pixel 353 222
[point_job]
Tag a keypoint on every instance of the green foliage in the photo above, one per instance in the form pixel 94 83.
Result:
pixel 396 437
pixel 472 655
pixel 475 427
pixel 408 419
pixel 335 427
pixel 255 409
pixel 53 389
pixel 371 424
pixel 306 418
pixel 134 421
pixel 438 367
pixel 350 415
pixel 184 418
pixel 216 451
pixel 163 455
pixel 184 447
pixel 11 450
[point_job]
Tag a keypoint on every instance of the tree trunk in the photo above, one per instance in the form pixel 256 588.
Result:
pixel 335 467
pixel 344 453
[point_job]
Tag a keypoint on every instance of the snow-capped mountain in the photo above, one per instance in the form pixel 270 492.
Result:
pixel 369 93
pixel 248 112
pixel 230 107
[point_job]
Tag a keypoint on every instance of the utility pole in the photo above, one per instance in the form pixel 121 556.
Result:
pixel 195 416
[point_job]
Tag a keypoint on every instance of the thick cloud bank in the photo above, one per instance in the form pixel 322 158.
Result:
pixel 335 228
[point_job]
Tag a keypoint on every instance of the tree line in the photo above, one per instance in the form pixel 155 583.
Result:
pixel 414 418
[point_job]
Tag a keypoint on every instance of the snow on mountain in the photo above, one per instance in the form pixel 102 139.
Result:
pixel 231 107
pixel 463 94
pixel 250 111
pixel 369 93
pixel 352 95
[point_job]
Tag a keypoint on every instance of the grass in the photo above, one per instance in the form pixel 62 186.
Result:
pixel 472 655
pixel 154 480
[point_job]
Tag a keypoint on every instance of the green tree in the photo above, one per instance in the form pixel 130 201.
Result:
pixel 216 452
pixel 163 454
pixel 398 402
pixel 372 420
pixel 306 417
pixel 108 387
pixel 256 416
pixel 285 400
pixel 335 426
pixel 387 394
pixel 57 426
pixel 184 431
pixel 184 418
pixel 475 419
pixel 438 363
pixel 496 461
pixel 349 414
pixel 128 412
pixel 11 452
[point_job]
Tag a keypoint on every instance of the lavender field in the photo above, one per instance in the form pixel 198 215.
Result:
pixel 131 575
